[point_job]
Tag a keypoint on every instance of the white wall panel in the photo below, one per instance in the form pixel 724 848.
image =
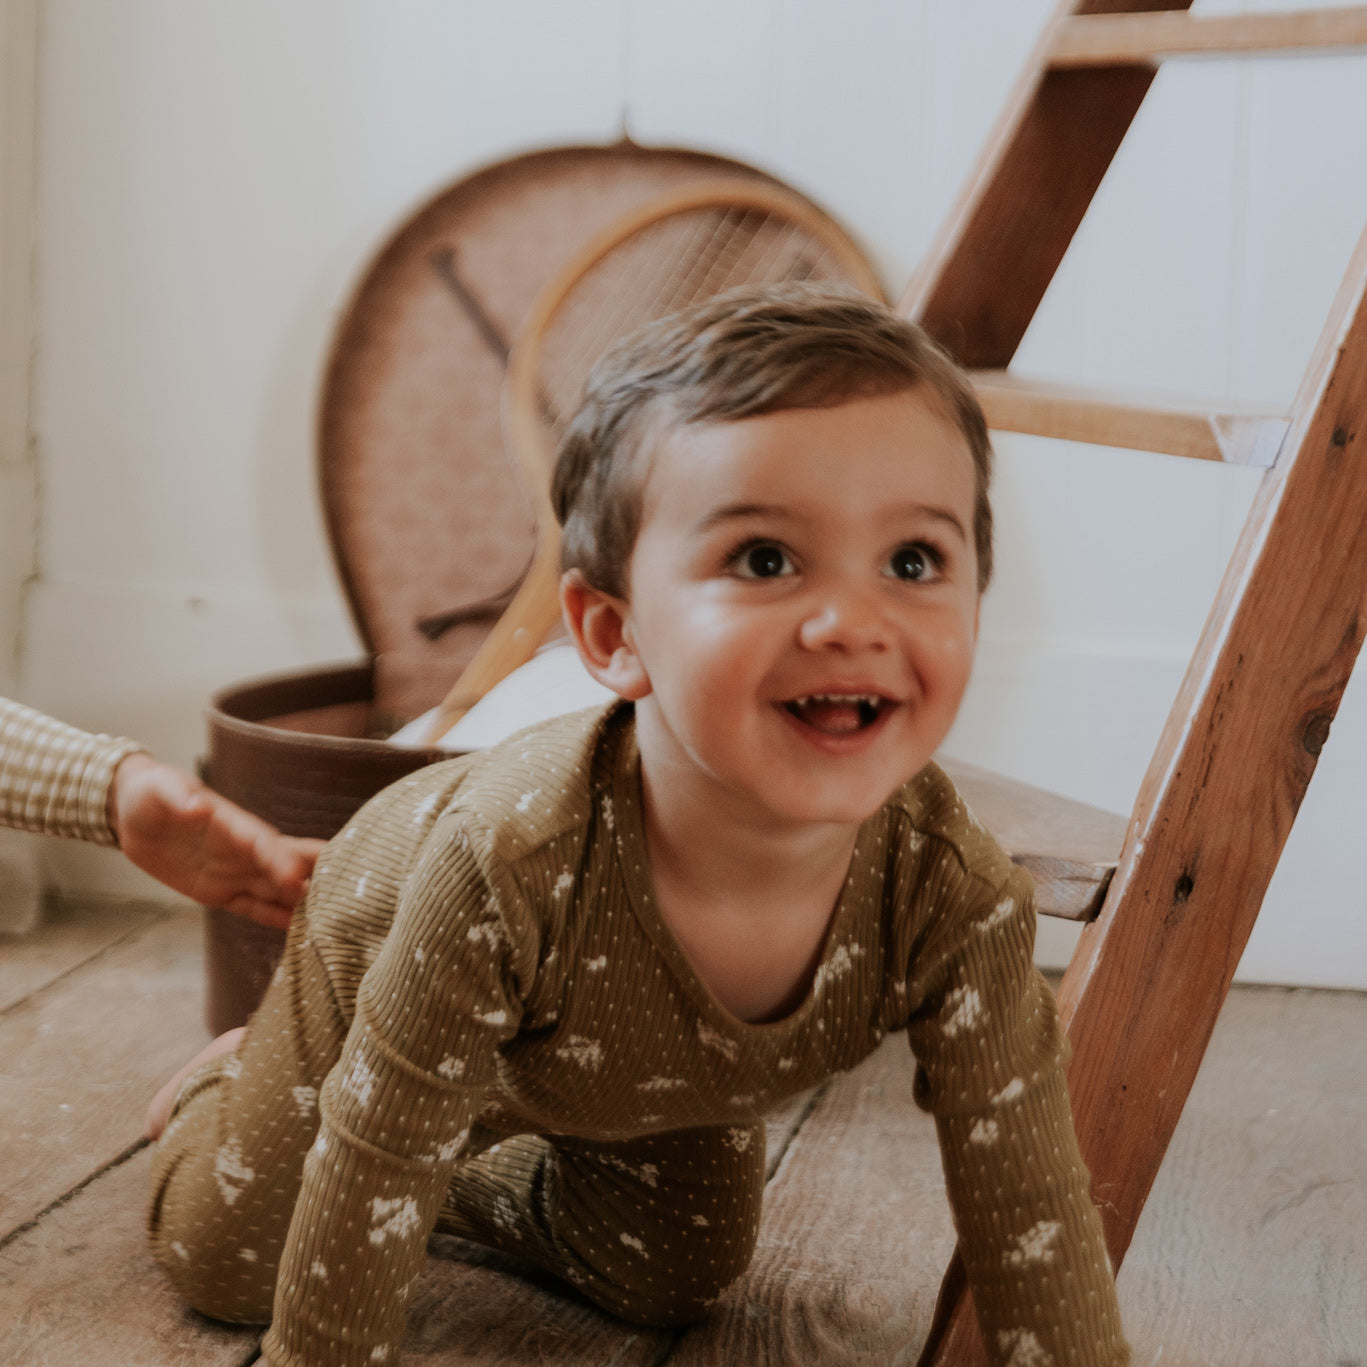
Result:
pixel 214 178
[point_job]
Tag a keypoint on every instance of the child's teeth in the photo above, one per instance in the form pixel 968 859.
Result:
pixel 837 712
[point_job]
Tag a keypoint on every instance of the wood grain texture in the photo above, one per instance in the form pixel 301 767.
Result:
pixel 856 1230
pixel 70 934
pixel 1174 427
pixel 1264 1190
pixel 81 1288
pixel 1142 994
pixel 1146 983
pixel 977 288
pixel 82 1058
pixel 1100 40
pixel 1070 848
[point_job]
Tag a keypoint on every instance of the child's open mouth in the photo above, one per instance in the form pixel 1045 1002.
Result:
pixel 838 714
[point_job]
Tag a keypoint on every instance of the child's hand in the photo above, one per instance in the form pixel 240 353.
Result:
pixel 173 827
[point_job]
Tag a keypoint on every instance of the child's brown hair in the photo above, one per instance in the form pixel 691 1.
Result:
pixel 738 355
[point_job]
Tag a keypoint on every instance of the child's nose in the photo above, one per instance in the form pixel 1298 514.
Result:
pixel 845 619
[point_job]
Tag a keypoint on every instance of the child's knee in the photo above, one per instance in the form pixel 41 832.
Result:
pixel 223 1282
pixel 668 1288
pixel 221 1260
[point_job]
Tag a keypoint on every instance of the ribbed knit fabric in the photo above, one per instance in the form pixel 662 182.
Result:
pixel 55 779
pixel 482 1024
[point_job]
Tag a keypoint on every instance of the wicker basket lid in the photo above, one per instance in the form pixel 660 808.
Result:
pixel 428 522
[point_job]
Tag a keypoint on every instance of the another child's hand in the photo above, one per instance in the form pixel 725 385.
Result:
pixel 173 827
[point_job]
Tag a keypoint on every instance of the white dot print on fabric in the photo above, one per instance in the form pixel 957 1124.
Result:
pixel 714 1039
pixel 563 884
pixel 1036 1245
pixel 648 1173
pixel 248 1255
pixel 984 1132
pixel 305 1099
pixel 359 1081
pixel 739 1139
pixel 451 1066
pixel 1023 1349
pixel 596 965
pixel 426 807
pixel 1001 913
pixel 492 1017
pixel 392 1218
pixel 231 1172
pixel 318 1268
pixel 609 816
pixel 965 1011
pixel 587 1053
pixel 524 803
pixel 631 1241
pixel 836 966
pixel 661 1084
pixel 489 933
pixel 446 1152
pixel 1011 1092
pixel 361 884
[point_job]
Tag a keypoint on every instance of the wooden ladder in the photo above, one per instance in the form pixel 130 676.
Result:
pixel 1153 967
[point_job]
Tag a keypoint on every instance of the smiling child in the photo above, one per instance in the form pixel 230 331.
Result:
pixel 542 997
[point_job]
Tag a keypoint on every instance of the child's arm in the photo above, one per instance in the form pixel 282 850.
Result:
pixel 397 1107
pixel 992 1072
pixel 58 780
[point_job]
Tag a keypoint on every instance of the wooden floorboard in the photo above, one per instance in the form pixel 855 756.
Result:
pixel 80 1288
pixel 80 1059
pixel 73 933
pixel 1250 1253
pixel 1252 1248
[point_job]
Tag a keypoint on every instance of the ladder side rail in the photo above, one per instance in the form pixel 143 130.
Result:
pixel 986 272
pixel 1141 996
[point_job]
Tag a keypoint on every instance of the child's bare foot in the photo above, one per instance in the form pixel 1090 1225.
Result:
pixel 159 1112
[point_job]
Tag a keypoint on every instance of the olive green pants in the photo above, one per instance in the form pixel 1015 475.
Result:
pixel 220 1210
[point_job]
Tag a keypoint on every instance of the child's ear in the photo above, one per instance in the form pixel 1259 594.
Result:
pixel 600 628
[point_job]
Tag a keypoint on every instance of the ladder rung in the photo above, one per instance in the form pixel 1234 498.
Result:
pixel 1117 39
pixel 1152 423
pixel 1070 848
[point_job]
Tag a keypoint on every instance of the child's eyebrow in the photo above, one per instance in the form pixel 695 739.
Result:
pixel 935 513
pixel 737 512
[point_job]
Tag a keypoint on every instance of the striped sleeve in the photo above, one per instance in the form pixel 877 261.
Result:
pixel 54 778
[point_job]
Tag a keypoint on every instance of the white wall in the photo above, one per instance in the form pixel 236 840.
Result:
pixel 213 177
pixel 20 881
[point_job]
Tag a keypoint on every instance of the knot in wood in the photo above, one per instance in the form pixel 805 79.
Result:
pixel 1182 890
pixel 1316 733
pixel 1339 437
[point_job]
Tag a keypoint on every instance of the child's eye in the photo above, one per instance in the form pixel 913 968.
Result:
pixel 762 560
pixel 916 563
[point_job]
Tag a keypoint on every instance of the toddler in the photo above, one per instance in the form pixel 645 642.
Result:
pixel 543 996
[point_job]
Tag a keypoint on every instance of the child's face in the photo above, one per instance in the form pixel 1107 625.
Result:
pixel 804 604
